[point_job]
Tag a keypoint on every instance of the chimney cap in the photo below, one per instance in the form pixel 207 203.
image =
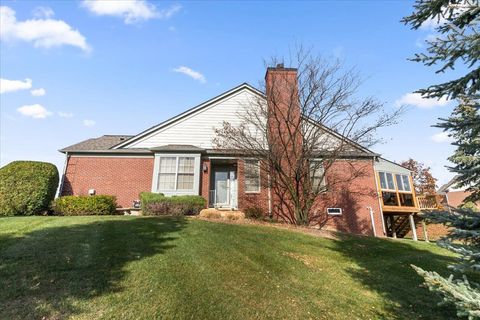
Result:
pixel 280 65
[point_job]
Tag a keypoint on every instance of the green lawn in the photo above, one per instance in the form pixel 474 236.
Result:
pixel 166 268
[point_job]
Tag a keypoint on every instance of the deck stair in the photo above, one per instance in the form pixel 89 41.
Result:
pixel 401 225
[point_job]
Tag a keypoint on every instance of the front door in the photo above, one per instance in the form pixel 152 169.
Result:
pixel 225 184
pixel 221 188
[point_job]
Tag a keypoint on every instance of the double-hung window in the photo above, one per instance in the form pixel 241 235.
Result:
pixel 252 175
pixel 317 176
pixel 176 174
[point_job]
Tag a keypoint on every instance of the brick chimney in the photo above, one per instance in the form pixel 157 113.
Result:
pixel 283 108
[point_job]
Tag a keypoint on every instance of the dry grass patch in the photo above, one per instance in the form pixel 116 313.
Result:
pixel 210 214
pixel 307 260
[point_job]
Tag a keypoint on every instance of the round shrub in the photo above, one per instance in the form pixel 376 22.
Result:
pixel 253 213
pixel 27 187
pixel 85 205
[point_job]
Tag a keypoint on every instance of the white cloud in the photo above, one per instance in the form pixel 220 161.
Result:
pixel 191 73
pixel 43 12
pixel 42 32
pixel 38 92
pixel 65 114
pixel 441 137
pixel 88 123
pixel 416 99
pixel 169 12
pixel 35 111
pixel 14 85
pixel 431 24
pixel 132 11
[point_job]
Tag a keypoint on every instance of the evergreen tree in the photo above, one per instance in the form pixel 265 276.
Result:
pixel 464 127
pixel 458 41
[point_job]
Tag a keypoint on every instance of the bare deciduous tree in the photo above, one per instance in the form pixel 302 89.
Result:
pixel 300 129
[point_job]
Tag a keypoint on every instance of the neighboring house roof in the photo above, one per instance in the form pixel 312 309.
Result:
pixel 99 144
pixel 443 189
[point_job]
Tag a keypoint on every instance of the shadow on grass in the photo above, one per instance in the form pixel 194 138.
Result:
pixel 387 271
pixel 42 272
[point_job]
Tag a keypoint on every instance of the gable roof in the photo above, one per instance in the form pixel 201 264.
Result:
pixel 117 143
pixel 200 107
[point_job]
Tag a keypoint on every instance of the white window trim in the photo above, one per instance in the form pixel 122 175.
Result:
pixel 335 214
pixel 196 174
pixel 394 176
pixel 259 176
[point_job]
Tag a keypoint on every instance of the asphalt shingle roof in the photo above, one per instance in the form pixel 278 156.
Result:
pixel 97 144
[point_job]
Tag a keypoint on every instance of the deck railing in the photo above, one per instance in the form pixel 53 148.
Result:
pixel 429 202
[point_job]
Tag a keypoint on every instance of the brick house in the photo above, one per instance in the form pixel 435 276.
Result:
pixel 454 196
pixel 178 157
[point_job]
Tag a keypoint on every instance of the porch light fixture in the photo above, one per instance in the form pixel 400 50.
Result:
pixel 91 192
pixel 205 167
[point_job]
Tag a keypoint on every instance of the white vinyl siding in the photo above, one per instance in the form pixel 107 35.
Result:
pixel 252 176
pixel 198 129
pixel 176 174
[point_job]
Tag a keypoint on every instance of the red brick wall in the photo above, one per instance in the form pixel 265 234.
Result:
pixel 435 231
pixel 353 196
pixel 123 177
pixel 205 180
pixel 256 199
pixel 352 187
pixel 126 177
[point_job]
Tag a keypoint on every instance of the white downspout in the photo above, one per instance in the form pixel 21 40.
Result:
pixel 379 202
pixel 62 180
pixel 373 221
pixel 269 197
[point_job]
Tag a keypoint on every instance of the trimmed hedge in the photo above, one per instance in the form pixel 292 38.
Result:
pixel 27 187
pixel 154 204
pixel 85 205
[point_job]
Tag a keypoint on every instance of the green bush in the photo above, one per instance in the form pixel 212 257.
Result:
pixel 154 204
pixel 27 187
pixel 85 205
pixel 253 213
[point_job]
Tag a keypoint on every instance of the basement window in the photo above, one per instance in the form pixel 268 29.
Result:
pixel 334 211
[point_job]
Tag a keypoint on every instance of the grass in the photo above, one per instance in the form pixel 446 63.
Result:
pixel 172 268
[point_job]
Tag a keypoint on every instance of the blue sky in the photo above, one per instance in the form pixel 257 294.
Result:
pixel 111 69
